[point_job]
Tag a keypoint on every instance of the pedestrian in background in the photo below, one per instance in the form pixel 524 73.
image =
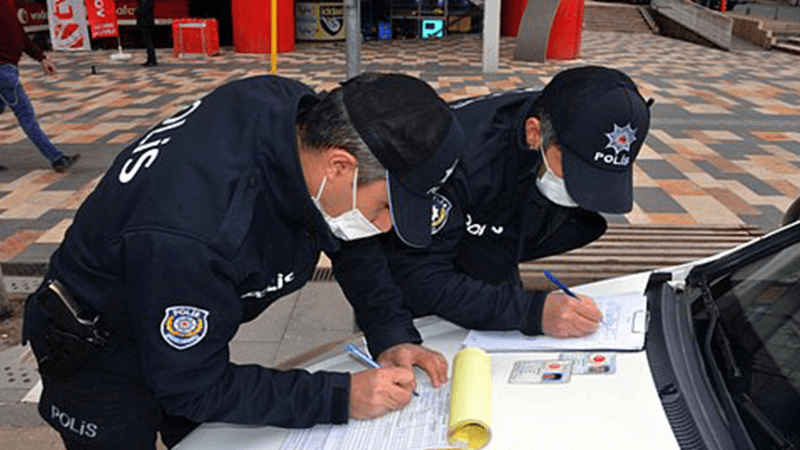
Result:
pixel 146 21
pixel 13 41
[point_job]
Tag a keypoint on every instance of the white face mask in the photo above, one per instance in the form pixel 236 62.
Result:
pixel 554 187
pixel 350 225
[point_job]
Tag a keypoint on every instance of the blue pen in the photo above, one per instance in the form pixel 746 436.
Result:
pixel 564 288
pixel 352 349
pixel 561 285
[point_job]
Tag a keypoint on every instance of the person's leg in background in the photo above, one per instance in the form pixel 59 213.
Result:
pixel 145 20
pixel 147 40
pixel 2 107
pixel 12 94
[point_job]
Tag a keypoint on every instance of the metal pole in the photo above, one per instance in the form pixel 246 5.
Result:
pixel 273 36
pixel 491 35
pixel 353 37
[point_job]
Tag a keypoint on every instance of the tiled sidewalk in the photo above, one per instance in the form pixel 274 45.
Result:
pixel 723 149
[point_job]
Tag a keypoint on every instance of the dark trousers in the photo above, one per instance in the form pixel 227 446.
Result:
pixel 147 40
pixel 172 430
pixel 104 404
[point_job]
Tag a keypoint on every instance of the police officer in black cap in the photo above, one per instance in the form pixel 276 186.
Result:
pixel 212 216
pixel 539 169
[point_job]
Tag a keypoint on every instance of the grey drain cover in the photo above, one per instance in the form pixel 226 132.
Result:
pixel 18 376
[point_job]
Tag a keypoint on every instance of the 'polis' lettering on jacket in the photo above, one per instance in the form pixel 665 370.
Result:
pixel 145 154
pixel 82 428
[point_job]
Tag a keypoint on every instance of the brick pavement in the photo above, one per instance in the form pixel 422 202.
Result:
pixel 724 146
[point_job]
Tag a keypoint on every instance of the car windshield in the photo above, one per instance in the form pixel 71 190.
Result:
pixel 759 306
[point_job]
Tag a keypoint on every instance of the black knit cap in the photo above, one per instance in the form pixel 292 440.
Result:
pixel 601 121
pixel 411 131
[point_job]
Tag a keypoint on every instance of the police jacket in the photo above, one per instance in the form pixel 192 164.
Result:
pixel 198 227
pixel 488 217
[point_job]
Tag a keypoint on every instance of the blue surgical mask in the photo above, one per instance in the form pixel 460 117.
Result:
pixel 350 225
pixel 553 187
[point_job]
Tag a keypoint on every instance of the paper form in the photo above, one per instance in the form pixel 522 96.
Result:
pixel 622 328
pixel 422 424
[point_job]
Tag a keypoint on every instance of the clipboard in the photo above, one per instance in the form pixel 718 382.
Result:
pixel 624 327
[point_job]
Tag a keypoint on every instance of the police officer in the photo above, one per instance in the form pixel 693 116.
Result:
pixel 539 168
pixel 212 216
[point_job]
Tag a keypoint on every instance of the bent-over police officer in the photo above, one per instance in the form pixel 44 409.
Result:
pixel 539 168
pixel 210 217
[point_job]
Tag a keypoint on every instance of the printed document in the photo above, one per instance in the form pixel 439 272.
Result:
pixel 623 328
pixel 420 425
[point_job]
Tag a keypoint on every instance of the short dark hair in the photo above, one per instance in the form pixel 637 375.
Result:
pixel 546 128
pixel 327 124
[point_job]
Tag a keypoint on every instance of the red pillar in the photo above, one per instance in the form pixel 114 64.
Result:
pixel 565 34
pixel 251 25
pixel 511 12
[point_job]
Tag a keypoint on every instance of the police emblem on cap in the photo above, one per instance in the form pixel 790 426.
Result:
pixel 440 211
pixel 184 326
pixel 620 140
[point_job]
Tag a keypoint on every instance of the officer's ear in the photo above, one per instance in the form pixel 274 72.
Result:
pixel 339 162
pixel 533 133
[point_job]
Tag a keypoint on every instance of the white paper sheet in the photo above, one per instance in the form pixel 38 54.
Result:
pixel 422 424
pixel 621 329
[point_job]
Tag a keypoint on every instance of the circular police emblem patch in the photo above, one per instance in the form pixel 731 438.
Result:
pixel 440 211
pixel 184 326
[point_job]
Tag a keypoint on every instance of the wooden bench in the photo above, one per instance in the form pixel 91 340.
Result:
pixel 626 249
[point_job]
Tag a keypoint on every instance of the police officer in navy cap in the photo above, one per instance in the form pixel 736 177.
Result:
pixel 210 217
pixel 539 168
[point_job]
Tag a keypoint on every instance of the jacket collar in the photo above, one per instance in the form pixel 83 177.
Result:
pixel 285 184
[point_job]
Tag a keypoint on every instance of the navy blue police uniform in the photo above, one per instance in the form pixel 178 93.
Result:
pixel 196 228
pixel 491 214
pixel 487 218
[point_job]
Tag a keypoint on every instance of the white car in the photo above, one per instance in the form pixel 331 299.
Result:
pixel 721 357
pixel 724 345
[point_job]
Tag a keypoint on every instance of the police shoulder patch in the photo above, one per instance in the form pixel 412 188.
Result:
pixel 440 211
pixel 184 326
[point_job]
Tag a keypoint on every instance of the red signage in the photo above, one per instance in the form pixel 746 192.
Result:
pixel 162 9
pixel 102 18
pixel 31 12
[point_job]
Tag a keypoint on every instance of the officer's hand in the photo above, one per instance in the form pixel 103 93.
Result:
pixel 375 392
pixel 407 355
pixel 564 316
pixel 47 66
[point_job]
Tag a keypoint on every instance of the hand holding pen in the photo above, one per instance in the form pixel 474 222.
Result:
pixel 377 392
pixel 567 314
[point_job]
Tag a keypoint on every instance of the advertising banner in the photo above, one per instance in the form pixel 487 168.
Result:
pixel 102 18
pixel 319 21
pixel 68 27
pixel 32 14
pixel 162 9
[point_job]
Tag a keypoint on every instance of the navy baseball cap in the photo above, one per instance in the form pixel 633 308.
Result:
pixel 411 131
pixel 601 121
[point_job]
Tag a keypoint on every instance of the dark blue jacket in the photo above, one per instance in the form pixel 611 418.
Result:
pixel 487 218
pixel 210 211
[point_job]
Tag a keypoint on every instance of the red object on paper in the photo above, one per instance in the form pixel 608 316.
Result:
pixel 102 18
pixel 195 37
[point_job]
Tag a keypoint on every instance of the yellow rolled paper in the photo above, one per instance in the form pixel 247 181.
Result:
pixel 471 399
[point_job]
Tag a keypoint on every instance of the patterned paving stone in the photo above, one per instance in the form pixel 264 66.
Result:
pixel 724 146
